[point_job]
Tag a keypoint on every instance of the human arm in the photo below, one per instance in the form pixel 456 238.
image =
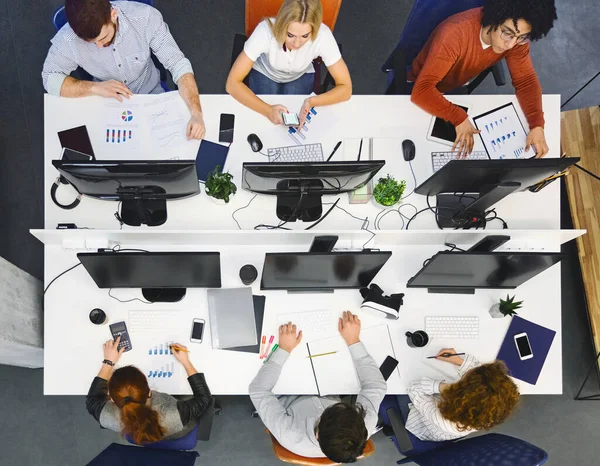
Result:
pixel 189 93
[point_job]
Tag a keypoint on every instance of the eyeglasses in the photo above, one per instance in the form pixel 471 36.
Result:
pixel 508 36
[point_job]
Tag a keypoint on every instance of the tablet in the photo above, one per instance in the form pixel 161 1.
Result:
pixel 442 131
pixel 77 139
pixel 503 134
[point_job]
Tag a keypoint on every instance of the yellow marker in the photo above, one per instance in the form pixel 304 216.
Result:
pixel 178 348
pixel 322 354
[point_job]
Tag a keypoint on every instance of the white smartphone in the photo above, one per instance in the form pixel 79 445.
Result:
pixel 523 346
pixel 197 331
pixel 290 119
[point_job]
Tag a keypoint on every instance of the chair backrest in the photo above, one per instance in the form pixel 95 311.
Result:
pixel 124 455
pixel 184 443
pixel 424 17
pixel 59 18
pixel 288 457
pixel 485 450
pixel 257 10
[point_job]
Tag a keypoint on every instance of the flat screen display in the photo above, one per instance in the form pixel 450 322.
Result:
pixel 319 271
pixel 153 269
pixel 482 269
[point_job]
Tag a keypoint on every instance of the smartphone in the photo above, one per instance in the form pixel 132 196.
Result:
pixel 71 155
pixel 523 346
pixel 77 139
pixel 489 243
pixel 290 119
pixel 323 243
pixel 197 331
pixel 226 127
pixel 388 367
pixel 120 328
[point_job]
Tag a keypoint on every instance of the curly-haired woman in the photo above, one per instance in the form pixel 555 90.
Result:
pixel 483 397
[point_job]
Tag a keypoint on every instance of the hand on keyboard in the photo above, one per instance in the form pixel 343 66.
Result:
pixel 287 337
pixel 456 360
pixel 464 138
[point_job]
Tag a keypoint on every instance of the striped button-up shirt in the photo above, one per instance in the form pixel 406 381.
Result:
pixel 140 30
pixel 424 419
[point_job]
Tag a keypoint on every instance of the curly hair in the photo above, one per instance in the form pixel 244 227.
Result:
pixel 540 14
pixel 484 397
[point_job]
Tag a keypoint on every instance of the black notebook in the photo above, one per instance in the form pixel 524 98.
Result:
pixel 259 313
pixel 210 155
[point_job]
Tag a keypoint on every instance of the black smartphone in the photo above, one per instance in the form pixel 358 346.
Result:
pixel 226 127
pixel 120 328
pixel 489 243
pixel 388 367
pixel 77 139
pixel 323 243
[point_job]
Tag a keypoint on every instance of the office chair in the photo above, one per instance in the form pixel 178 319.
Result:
pixel 424 17
pixel 288 457
pixel 59 19
pixel 484 450
pixel 125 455
pixel 257 10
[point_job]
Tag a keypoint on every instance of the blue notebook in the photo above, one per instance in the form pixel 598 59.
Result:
pixel 210 155
pixel 540 339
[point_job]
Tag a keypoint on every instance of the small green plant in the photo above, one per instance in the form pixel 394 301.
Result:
pixel 508 307
pixel 219 185
pixel 388 191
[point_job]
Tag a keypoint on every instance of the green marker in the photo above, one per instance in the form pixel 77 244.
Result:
pixel 275 346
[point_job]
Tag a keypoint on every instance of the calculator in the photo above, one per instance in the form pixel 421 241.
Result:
pixel 120 328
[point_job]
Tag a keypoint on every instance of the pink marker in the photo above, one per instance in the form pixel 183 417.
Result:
pixel 266 353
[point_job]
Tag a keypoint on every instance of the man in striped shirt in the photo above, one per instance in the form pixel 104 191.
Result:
pixel 113 43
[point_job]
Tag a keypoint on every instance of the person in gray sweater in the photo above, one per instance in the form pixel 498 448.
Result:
pixel 313 426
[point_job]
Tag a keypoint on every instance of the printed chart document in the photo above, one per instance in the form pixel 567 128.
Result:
pixel 167 120
pixel 335 373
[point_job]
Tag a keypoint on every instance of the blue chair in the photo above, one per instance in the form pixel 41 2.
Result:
pixel 484 450
pixel 424 17
pixel 124 455
pixel 59 19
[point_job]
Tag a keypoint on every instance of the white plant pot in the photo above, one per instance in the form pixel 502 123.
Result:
pixel 495 311
pixel 217 201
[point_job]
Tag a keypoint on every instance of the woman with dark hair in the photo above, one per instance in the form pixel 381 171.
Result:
pixel 483 398
pixel 122 400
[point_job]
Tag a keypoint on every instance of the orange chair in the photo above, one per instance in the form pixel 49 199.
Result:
pixel 288 457
pixel 257 10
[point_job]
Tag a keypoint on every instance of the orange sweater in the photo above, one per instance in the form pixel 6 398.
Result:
pixel 453 55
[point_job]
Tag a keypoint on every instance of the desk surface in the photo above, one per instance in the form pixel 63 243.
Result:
pixel 581 138
pixel 73 346
pixel 363 116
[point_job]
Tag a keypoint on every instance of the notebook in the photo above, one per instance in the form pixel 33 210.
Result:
pixel 210 155
pixel 231 315
pixel 259 313
pixel 447 370
pixel 333 374
pixel 540 340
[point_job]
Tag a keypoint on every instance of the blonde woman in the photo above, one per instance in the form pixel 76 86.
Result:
pixel 278 59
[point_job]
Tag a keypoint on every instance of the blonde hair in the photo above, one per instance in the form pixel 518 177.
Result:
pixel 297 11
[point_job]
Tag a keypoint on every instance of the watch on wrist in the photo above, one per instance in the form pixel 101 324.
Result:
pixel 109 362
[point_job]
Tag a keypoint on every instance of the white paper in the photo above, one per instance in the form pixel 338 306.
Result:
pixel 503 134
pixel 160 367
pixel 167 120
pixel 318 123
pixel 120 130
pixel 296 374
pixel 448 370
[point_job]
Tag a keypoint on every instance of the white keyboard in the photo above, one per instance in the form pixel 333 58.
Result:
pixel 305 153
pixel 452 327
pixel 315 325
pixel 147 320
pixel 439 159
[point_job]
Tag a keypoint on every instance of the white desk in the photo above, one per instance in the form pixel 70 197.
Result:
pixel 362 116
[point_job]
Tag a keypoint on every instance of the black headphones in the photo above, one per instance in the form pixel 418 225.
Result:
pixel 62 180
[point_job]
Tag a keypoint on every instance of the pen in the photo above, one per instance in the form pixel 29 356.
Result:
pixel 359 149
pixel 445 355
pixel 262 345
pixel 178 348
pixel 334 150
pixel 266 353
pixel 275 346
pixel 321 354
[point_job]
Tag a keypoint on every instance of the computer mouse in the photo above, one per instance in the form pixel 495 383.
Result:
pixel 408 149
pixel 255 142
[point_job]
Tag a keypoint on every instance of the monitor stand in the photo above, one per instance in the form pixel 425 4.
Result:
pixel 451 290
pixel 137 209
pixel 303 205
pixel 163 295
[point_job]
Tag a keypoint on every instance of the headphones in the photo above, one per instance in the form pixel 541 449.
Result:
pixel 62 180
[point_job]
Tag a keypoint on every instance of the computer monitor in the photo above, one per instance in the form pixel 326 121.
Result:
pixel 462 272
pixel 163 276
pixel 143 187
pixel 466 189
pixel 325 271
pixel 300 185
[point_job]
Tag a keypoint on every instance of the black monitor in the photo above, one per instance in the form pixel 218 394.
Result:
pixel 163 276
pixel 300 185
pixel 466 189
pixel 142 186
pixel 324 271
pixel 462 272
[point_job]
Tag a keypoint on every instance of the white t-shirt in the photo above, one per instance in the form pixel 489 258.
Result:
pixel 283 67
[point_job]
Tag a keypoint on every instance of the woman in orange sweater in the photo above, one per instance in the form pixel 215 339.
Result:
pixel 467 43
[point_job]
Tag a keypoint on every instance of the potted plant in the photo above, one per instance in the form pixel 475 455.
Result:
pixel 388 191
pixel 506 307
pixel 219 185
